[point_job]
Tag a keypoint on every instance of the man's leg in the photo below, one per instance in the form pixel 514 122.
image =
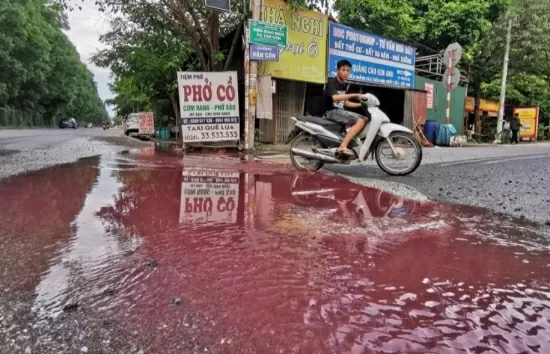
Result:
pixel 347 118
pixel 514 136
pixel 352 133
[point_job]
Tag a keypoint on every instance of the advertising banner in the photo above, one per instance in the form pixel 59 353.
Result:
pixel 209 106
pixel 374 59
pixel 209 197
pixel 529 118
pixel 304 56
pixel 429 88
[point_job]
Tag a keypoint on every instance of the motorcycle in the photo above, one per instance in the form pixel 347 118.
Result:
pixel 105 126
pixel 329 193
pixel 376 139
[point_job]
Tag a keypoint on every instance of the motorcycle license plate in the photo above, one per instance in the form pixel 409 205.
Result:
pixel 397 212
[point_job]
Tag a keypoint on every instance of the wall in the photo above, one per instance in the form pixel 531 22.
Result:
pixel 440 100
pixel 288 101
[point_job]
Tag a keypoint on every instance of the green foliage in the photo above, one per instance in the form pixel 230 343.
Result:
pixel 41 69
pixel 523 90
pixel 431 23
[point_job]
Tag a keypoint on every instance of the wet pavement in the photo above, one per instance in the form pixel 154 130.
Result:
pixel 33 149
pixel 508 179
pixel 152 252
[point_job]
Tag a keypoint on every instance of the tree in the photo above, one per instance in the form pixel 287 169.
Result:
pixel 145 62
pixel 186 20
pixel 41 69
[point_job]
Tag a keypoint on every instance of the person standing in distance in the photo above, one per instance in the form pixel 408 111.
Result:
pixel 515 125
pixel 336 99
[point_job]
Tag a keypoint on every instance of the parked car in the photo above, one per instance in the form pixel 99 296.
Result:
pixel 131 124
pixel 68 123
pixel 89 125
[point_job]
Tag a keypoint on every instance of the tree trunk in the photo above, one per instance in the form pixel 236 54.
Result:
pixel 477 101
pixel 214 24
pixel 233 48
pixel 175 108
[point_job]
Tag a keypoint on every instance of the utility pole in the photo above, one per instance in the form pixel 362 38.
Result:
pixel 503 84
pixel 250 123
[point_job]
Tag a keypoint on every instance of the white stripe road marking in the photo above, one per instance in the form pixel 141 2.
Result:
pixel 516 158
pixel 486 161
pixel 371 59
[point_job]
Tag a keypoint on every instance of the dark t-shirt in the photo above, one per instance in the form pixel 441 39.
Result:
pixel 333 87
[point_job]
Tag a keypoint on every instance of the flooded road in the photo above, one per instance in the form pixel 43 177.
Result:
pixel 145 252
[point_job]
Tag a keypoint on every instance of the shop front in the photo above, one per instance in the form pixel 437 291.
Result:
pixel 299 74
pixel 381 66
pixel 488 110
pixel 436 102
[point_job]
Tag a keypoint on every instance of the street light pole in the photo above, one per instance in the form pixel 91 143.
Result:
pixel 503 84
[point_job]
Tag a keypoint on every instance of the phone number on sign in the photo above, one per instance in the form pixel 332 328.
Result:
pixel 219 135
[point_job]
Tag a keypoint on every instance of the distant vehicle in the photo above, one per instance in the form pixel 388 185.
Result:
pixel 68 123
pixel 105 125
pixel 89 125
pixel 131 124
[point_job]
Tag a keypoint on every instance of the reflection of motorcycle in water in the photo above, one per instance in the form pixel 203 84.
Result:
pixel 345 199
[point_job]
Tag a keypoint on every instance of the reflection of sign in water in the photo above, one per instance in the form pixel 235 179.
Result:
pixel 146 123
pixel 374 59
pixel 209 105
pixel 529 117
pixel 304 57
pixel 209 197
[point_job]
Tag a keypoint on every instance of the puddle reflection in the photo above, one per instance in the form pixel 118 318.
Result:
pixel 229 257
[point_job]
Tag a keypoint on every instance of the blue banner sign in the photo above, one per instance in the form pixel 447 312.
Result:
pixel 374 59
pixel 264 52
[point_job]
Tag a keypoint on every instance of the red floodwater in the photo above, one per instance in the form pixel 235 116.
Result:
pixel 222 256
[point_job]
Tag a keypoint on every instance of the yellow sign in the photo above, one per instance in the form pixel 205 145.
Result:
pixel 304 58
pixel 484 105
pixel 529 118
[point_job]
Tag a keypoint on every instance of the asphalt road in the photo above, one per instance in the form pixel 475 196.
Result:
pixel 28 150
pixel 509 179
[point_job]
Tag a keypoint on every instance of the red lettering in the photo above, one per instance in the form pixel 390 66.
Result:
pixel 188 206
pixel 197 93
pixel 186 93
pixel 207 92
pixel 230 204
pixel 230 91
pixel 220 92
pixel 226 205
pixel 198 205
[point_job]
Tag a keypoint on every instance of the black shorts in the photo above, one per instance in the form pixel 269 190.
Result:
pixel 344 117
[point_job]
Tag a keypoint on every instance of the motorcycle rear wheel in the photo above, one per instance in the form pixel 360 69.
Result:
pixel 308 140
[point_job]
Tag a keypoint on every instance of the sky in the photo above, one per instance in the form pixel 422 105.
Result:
pixel 86 27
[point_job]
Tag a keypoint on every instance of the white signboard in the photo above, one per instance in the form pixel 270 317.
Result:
pixel 209 106
pixel 209 196
pixel 146 123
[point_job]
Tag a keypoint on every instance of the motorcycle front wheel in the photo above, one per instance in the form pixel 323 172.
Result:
pixel 305 142
pixel 400 142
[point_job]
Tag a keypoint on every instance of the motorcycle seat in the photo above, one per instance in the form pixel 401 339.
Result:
pixel 327 124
